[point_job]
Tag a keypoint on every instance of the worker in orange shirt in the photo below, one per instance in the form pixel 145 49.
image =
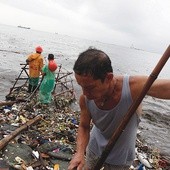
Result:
pixel 36 63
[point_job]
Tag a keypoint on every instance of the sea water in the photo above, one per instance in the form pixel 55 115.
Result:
pixel 16 43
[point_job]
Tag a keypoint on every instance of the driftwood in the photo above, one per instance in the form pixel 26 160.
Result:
pixel 60 156
pixel 10 103
pixel 11 136
pixel 7 103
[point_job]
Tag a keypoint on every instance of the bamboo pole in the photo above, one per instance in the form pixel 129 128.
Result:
pixel 132 109
pixel 7 139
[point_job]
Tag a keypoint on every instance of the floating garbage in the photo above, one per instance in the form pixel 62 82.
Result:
pixel 36 136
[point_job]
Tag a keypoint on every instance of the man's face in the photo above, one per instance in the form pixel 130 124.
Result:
pixel 92 89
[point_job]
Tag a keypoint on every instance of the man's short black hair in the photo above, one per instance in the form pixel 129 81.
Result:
pixel 50 57
pixel 93 62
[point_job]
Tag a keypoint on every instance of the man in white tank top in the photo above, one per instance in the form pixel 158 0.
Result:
pixel 105 99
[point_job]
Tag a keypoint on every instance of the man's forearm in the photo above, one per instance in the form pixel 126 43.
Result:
pixel 82 139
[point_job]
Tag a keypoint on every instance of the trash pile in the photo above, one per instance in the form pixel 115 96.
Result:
pixel 148 158
pixel 35 136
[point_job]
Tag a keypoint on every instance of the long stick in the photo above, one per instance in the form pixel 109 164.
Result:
pixel 8 138
pixel 10 103
pixel 4 103
pixel 132 109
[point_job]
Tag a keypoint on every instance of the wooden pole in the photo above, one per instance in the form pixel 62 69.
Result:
pixel 7 139
pixel 132 109
pixel 10 103
pixel 7 103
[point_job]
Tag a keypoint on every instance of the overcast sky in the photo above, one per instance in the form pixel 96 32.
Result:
pixel 145 24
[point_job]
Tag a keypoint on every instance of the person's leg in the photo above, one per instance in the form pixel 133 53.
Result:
pixel 34 87
pixel 29 88
pixel 35 82
pixel 30 85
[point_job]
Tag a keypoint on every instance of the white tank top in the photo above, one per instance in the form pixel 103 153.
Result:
pixel 106 121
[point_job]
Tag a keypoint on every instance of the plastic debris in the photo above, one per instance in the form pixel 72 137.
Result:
pixel 56 167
